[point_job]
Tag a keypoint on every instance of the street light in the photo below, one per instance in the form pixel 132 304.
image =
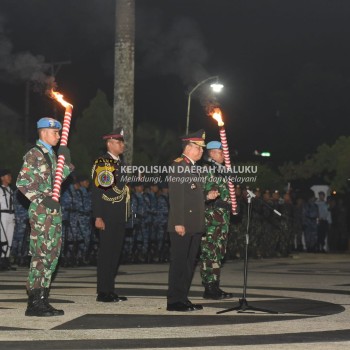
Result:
pixel 216 87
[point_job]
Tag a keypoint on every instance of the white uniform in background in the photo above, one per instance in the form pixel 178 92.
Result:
pixel 7 218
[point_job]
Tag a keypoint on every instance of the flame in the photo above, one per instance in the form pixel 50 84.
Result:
pixel 217 115
pixel 59 98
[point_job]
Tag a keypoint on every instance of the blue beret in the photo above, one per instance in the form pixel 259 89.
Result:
pixel 49 123
pixel 214 145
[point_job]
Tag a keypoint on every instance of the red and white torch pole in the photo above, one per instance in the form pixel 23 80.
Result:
pixel 64 140
pixel 217 116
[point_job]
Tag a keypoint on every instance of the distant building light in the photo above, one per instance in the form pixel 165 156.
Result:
pixel 265 154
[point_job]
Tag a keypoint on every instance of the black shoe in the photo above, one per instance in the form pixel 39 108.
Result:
pixel 224 294
pixel 56 312
pixel 182 307
pixel 39 306
pixel 117 298
pixel 212 292
pixel 109 298
pixel 194 306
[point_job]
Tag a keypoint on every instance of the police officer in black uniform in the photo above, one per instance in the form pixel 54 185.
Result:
pixel 110 199
pixel 186 221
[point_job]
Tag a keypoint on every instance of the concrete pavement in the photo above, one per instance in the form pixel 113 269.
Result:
pixel 310 292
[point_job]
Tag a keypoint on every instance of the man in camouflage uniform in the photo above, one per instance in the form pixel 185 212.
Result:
pixel 35 181
pixel 217 220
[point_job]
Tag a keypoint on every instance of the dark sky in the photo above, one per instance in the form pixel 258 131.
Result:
pixel 284 64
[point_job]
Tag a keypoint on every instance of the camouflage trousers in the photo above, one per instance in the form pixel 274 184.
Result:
pixel 213 245
pixel 44 247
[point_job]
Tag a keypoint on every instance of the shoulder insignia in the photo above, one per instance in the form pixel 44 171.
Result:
pixel 178 160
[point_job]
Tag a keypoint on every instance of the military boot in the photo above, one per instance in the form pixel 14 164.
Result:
pixel 50 307
pixel 211 291
pixel 37 305
pixel 224 295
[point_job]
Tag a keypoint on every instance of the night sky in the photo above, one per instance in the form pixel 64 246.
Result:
pixel 284 64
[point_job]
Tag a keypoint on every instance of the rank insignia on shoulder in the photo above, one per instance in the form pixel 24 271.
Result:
pixel 193 186
pixel 178 160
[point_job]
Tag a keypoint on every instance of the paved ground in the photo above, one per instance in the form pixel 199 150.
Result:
pixel 311 292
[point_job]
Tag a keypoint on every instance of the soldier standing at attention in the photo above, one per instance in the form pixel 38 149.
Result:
pixel 110 198
pixel 217 221
pixel 35 181
pixel 186 221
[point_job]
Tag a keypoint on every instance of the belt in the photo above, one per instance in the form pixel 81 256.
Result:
pixel 6 211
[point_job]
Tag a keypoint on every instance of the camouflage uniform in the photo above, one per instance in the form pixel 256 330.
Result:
pixel 85 214
pixel 310 216
pixel 154 240
pixel 141 203
pixel 20 244
pixel 217 220
pixel 161 220
pixel 35 182
pixel 72 236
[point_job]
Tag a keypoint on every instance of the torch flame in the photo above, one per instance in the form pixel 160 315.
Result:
pixel 59 98
pixel 216 114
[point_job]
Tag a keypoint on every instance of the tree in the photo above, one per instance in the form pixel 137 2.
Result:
pixel 123 112
pixel 154 145
pixel 331 163
pixel 86 142
pixel 13 151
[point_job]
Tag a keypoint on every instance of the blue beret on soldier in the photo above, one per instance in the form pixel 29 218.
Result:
pixel 48 123
pixel 214 145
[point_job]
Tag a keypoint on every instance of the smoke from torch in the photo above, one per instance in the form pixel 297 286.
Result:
pixel 216 114
pixel 64 140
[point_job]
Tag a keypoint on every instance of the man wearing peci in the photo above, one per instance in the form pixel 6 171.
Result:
pixel 110 201
pixel 186 221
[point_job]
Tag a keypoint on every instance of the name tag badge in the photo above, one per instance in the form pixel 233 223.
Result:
pixel 193 186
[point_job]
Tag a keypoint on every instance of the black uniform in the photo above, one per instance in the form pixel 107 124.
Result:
pixel 110 198
pixel 186 201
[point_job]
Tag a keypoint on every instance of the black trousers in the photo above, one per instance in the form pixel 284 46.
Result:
pixel 183 253
pixel 109 252
pixel 322 231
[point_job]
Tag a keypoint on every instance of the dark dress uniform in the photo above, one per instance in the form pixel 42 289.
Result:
pixel 110 197
pixel 186 202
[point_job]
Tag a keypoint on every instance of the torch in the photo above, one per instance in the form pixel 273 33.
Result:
pixel 64 140
pixel 216 114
